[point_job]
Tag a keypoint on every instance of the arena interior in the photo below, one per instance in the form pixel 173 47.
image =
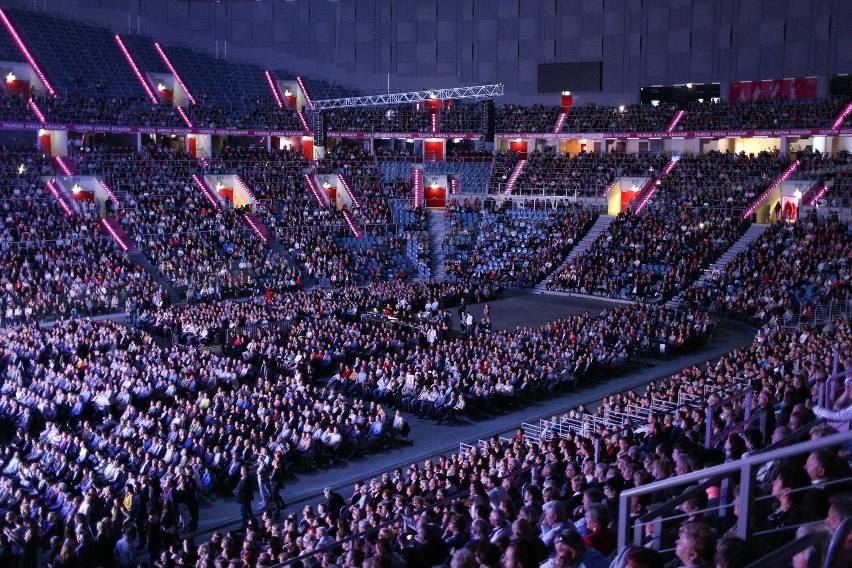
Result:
pixel 398 284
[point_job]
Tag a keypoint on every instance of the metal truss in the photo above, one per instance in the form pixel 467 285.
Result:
pixel 479 92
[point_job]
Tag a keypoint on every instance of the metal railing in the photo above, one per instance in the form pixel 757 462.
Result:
pixel 631 530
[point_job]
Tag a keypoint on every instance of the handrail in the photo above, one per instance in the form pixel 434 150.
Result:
pixel 674 502
pixel 743 466
pixel 837 555
pixel 828 389
pixel 786 552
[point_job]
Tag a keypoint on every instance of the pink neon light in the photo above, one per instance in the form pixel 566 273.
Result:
pixel 37 111
pixel 26 53
pixel 846 112
pixel 304 121
pixel 183 115
pixel 787 173
pixel 351 193
pixel 352 226
pixel 63 166
pixel 516 172
pixel 320 196
pixel 109 192
pixel 245 187
pixel 271 81
pixel 148 90
pixel 174 72
pixel 304 87
pixel 55 192
pixel 208 193
pixel 115 236
pixel 677 118
pixel 560 122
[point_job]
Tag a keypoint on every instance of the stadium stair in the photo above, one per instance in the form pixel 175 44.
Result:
pixel 437 231
pixel 762 197
pixel 139 259
pixel 600 226
pixel 560 122
pixel 650 187
pixel 63 197
pixel 813 193
pixel 209 192
pixel 348 187
pixel 513 177
pixel 357 231
pixel 256 225
pixel 114 228
pixel 314 187
pixel 717 267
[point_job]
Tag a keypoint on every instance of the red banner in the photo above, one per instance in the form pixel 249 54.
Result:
pixel 792 89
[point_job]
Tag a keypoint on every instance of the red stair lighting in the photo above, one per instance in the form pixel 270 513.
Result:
pixel 36 111
pixel 174 72
pixel 787 173
pixel 26 53
pixel 822 191
pixel 650 188
pixel 304 87
pixel 119 234
pixel 270 80
pixel 254 222
pixel 609 188
pixel 677 118
pixel 145 85
pixel 64 167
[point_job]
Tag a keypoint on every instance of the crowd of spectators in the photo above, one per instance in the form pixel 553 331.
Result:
pixel 650 256
pixel 591 117
pixel 787 271
pixel 521 246
pixel 762 115
pixel 99 110
pixel 586 174
pixel 718 180
pixel 402 118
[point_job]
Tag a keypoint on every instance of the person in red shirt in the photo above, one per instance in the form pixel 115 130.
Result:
pixel 602 538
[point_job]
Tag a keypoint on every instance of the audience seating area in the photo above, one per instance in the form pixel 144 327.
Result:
pixel 320 347
pixel 520 247
pixel 763 115
pixel 583 175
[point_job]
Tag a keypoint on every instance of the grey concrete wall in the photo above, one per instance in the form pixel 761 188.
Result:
pixel 431 43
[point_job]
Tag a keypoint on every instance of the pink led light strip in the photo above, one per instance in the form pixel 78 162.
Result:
pixel 148 90
pixel 846 112
pixel 677 118
pixel 174 72
pixel 560 122
pixel 26 53
pixel 184 116
pixel 321 197
pixel 787 173
pixel 63 166
pixel 37 111
pixel 245 188
pixel 352 226
pixel 819 195
pixel 304 87
pixel 351 193
pixel 274 88
pixel 55 192
pixel 114 235
pixel 109 192
pixel 208 193
pixel 304 121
